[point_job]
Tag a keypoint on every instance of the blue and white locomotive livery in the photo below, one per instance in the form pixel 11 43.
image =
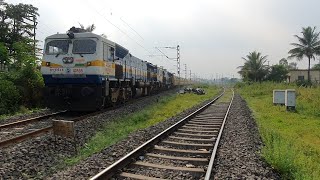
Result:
pixel 85 71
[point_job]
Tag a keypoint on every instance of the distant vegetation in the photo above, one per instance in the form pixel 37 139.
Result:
pixel 291 139
pixel 20 81
pixel 255 68
pixel 308 46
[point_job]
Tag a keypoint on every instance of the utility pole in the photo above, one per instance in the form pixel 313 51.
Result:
pixel 190 74
pixel 34 35
pixel 178 60
pixel 185 70
pixel 178 64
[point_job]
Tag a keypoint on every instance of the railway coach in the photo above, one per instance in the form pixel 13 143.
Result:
pixel 85 71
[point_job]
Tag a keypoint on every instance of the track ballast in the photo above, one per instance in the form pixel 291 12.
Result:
pixel 185 150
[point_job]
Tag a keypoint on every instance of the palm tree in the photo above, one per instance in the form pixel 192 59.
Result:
pixel 254 68
pixel 309 46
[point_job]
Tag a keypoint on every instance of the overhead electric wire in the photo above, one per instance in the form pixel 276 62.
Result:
pixel 118 28
pixel 131 28
pixel 165 54
pixel 47 26
pixel 122 30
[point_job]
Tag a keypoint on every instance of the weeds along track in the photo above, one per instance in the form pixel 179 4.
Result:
pixel 186 150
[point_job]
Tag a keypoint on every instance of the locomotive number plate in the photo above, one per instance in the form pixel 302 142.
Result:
pixel 67 70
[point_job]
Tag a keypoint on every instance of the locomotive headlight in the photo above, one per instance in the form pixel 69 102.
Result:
pixel 47 63
pixel 88 63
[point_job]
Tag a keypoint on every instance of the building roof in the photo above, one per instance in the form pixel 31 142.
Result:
pixel 303 70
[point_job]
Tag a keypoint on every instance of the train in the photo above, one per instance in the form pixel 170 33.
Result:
pixel 83 71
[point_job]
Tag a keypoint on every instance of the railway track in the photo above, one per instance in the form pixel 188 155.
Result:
pixel 18 131
pixel 33 127
pixel 186 150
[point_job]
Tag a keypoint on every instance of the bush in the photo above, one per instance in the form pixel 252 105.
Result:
pixel 26 86
pixel 304 83
pixel 10 97
pixel 30 84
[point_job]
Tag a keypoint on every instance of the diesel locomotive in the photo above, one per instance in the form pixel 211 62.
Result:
pixel 84 71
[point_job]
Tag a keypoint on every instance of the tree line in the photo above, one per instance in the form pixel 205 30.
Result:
pixel 21 82
pixel 255 67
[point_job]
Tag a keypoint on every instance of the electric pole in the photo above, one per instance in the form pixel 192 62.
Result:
pixel 178 64
pixel 178 60
pixel 185 70
pixel 34 36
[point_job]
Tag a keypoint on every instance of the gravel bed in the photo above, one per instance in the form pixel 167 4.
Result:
pixel 99 161
pixel 19 117
pixel 163 173
pixel 11 132
pixel 36 158
pixel 238 156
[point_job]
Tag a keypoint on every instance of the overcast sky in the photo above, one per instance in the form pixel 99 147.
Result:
pixel 213 34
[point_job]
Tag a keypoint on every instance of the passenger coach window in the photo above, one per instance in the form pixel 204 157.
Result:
pixel 57 47
pixel 84 46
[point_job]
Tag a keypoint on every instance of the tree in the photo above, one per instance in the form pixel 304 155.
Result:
pixel 284 62
pixel 292 66
pixel 308 46
pixel 278 73
pixel 316 67
pixel 4 55
pixel 254 68
pixel 17 25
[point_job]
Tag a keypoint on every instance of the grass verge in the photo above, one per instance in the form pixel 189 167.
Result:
pixel 291 139
pixel 120 128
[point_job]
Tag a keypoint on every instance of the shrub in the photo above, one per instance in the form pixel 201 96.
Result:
pixel 30 83
pixel 9 97
pixel 27 85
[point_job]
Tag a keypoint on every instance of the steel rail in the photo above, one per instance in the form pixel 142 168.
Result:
pixel 39 132
pixel 50 128
pixel 26 136
pixel 209 169
pixel 29 120
pixel 112 169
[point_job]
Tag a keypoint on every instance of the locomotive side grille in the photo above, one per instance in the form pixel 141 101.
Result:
pixel 148 75
pixel 119 71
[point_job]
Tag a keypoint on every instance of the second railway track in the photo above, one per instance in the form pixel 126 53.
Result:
pixel 21 130
pixel 185 150
pixel 18 131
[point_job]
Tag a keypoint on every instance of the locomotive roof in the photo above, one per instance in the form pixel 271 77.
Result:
pixel 84 34
pixel 79 35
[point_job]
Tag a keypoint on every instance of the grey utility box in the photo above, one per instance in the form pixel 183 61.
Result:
pixel 290 99
pixel 279 97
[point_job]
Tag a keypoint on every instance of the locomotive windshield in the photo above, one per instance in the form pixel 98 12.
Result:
pixel 57 47
pixel 84 46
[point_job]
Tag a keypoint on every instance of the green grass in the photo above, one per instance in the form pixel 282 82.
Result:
pixel 292 139
pixel 120 128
